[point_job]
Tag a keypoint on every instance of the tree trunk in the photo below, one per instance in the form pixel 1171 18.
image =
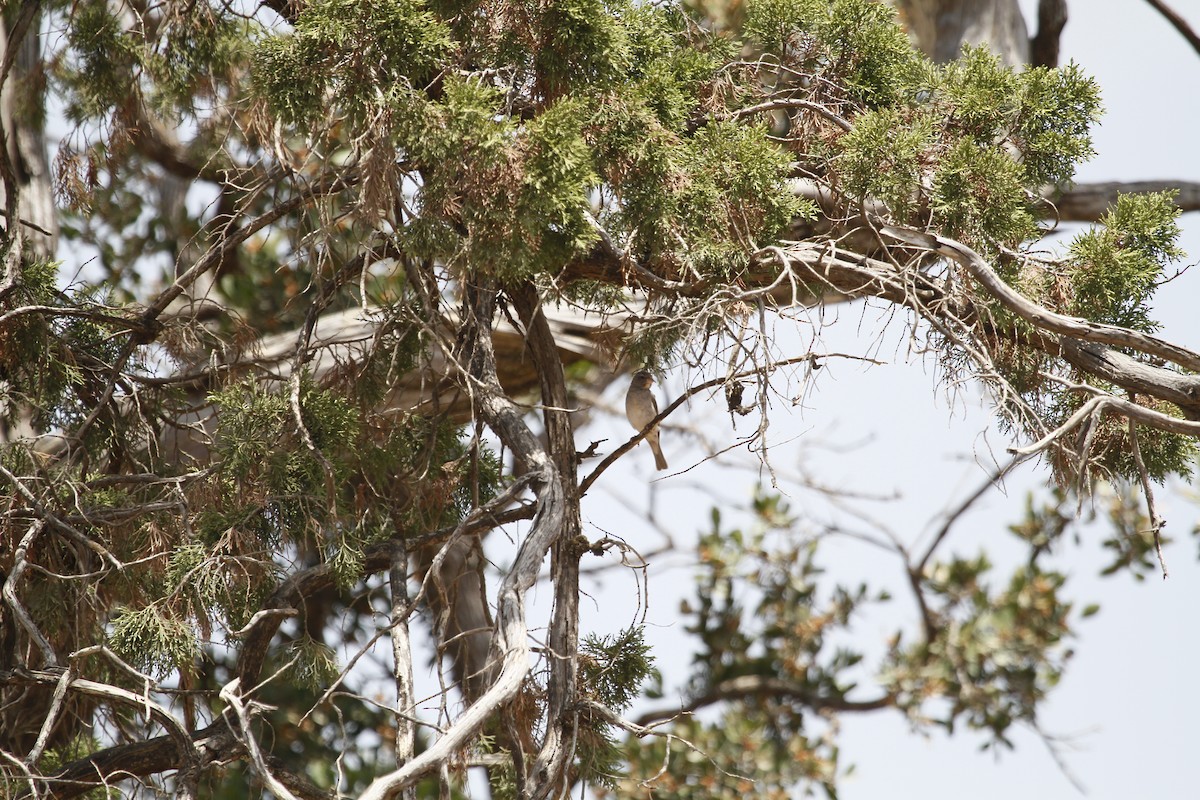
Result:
pixel 941 27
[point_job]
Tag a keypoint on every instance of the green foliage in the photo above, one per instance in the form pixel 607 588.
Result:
pixel 994 653
pixel 780 26
pixel 27 376
pixel 885 156
pixel 272 485
pixel 966 154
pixel 105 60
pixel 1044 525
pixel 517 197
pixel 196 48
pixel 785 633
pixel 214 578
pixel 1045 114
pixel 759 619
pixel 735 193
pixel 1116 266
pixel 1058 109
pixel 734 758
pixel 668 69
pixel 313 664
pixel 1111 450
pixel 186 571
pixel 856 44
pixel 1109 276
pixel 260 443
pixel 1130 540
pixel 874 58
pixel 983 96
pixel 54 365
pixel 978 194
pixel 612 669
pixel 585 44
pixel 152 640
pixel 349 53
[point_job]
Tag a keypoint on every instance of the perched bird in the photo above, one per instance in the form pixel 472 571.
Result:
pixel 640 408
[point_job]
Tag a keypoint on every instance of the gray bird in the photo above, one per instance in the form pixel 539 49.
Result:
pixel 640 408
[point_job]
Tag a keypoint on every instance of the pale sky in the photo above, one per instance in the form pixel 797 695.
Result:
pixel 1129 703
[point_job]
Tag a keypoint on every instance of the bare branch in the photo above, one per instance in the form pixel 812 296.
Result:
pixel 1156 522
pixel 402 672
pixel 1178 22
pixel 749 686
pixel 1074 327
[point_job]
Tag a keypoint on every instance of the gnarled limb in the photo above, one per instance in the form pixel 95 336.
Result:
pixel 550 767
pixel 510 647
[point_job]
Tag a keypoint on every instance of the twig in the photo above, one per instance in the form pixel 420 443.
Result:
pixel 9 592
pixel 763 685
pixel 668 410
pixel 1156 524
pixel 642 731
pixel 229 693
pixel 56 703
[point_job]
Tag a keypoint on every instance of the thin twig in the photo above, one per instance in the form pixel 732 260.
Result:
pixel 1156 523
pixel 668 410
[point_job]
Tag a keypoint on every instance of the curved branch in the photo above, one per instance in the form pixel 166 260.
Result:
pixel 750 686
pixel 1177 22
pixel 1042 318
pixel 1101 401
pixel 176 750
pixel 510 645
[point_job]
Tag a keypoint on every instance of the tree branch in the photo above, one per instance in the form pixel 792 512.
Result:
pixel 1042 318
pixel 1178 22
pixel 1044 46
pixel 510 646
pixel 550 766
pixel 1088 202
pixel 748 686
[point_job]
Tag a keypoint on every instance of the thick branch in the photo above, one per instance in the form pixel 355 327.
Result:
pixel 1044 46
pixel 153 756
pixel 562 721
pixel 1133 375
pixel 1088 202
pixel 1042 318
pixel 510 646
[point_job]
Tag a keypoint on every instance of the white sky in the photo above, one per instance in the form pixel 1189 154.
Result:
pixel 1129 701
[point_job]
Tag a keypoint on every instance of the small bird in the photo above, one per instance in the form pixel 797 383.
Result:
pixel 640 408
